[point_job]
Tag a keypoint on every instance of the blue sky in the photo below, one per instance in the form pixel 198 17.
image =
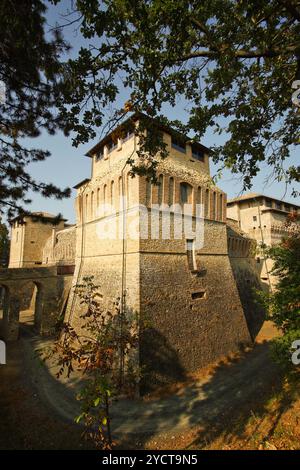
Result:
pixel 68 165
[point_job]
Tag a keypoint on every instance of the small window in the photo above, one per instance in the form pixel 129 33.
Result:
pixel 258 260
pixel 178 144
pixel 278 205
pixel 197 153
pixel 190 249
pixel 254 218
pixel 199 295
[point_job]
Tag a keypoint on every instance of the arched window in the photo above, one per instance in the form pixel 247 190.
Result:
pixel 160 189
pixel 148 192
pixel 112 193
pixel 120 195
pixel 221 207
pixel 171 191
pixel 206 203
pixel 105 194
pixel 98 201
pixel 86 205
pixel 213 209
pixel 186 193
pixel 128 184
pixel 92 204
pixel 199 191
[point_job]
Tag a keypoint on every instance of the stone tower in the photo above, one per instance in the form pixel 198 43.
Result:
pixel 182 285
pixel 28 237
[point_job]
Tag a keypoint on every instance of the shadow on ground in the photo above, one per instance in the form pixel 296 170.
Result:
pixel 215 404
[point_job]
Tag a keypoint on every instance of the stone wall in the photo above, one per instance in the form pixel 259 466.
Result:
pixel 51 291
pixel 246 271
pixel 60 247
pixel 195 317
pixel 28 240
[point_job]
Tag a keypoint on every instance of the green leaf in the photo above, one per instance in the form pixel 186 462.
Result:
pixel 97 401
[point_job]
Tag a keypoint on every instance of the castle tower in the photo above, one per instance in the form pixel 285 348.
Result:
pixel 28 238
pixel 165 247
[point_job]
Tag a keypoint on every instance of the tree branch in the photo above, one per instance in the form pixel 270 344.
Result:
pixel 241 53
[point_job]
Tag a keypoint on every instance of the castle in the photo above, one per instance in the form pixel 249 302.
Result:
pixel 263 219
pixel 166 250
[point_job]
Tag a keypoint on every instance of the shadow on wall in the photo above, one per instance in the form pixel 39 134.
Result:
pixel 248 283
pixel 159 361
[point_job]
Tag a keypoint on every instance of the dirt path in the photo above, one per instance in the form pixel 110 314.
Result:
pixel 212 403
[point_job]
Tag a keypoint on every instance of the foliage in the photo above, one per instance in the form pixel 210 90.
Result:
pixel 284 303
pixel 30 82
pixel 233 61
pixel 103 351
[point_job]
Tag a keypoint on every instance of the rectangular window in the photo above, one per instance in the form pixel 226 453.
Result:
pixel 191 257
pixel 197 153
pixel 254 218
pixel 199 295
pixel 278 205
pixel 178 144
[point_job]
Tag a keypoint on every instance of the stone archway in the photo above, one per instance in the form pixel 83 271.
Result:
pixel 40 292
pixel 31 313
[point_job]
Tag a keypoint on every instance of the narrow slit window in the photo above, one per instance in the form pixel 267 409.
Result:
pixel 171 191
pixel 206 203
pixel 160 189
pixel 148 192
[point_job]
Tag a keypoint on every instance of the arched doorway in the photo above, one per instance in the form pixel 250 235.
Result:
pixel 31 313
